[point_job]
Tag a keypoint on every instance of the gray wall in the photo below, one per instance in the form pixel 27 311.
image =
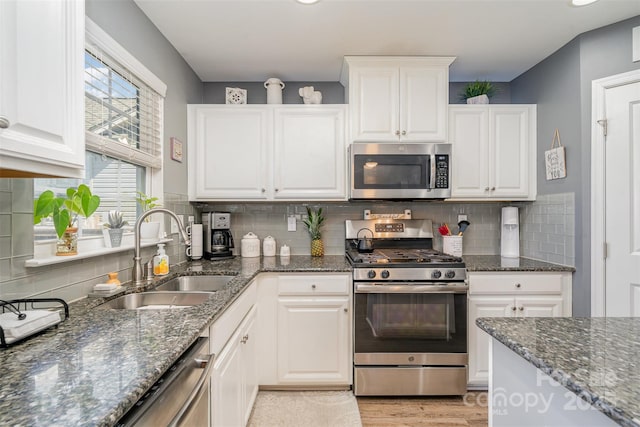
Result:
pixel 561 86
pixel 124 21
pixel 332 92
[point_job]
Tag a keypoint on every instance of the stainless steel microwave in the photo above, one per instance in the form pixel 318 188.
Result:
pixel 393 171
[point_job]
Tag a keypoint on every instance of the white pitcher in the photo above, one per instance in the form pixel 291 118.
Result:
pixel 274 88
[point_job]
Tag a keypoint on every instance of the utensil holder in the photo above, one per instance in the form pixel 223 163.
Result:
pixel 452 245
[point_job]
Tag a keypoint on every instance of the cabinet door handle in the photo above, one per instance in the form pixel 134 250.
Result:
pixel 277 190
pixel 493 188
pixel 4 122
pixel 513 309
pixel 398 132
pixel 313 286
pixel 245 339
pixel 264 190
pixel 521 308
pixel 518 285
pixel 346 310
pixel 486 188
pixel 404 132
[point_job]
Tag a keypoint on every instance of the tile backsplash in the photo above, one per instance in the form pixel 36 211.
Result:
pixel 264 219
pixel 546 233
pixel 69 280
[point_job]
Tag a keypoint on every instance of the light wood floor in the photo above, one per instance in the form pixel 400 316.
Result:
pixel 469 410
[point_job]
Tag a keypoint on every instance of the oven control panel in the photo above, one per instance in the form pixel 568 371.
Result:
pixel 410 274
pixel 396 227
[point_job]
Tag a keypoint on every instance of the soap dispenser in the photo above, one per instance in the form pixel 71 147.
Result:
pixel 161 262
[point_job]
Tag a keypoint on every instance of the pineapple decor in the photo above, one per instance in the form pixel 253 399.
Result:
pixel 313 222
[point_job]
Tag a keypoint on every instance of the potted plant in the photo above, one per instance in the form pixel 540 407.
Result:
pixel 149 230
pixel 115 227
pixel 64 212
pixel 314 221
pixel 478 92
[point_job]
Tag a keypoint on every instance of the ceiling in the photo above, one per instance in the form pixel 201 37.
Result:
pixel 252 40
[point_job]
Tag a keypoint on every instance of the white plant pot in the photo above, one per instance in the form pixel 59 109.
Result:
pixel 480 99
pixel 149 231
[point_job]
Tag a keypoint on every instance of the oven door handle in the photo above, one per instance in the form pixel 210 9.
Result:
pixel 448 288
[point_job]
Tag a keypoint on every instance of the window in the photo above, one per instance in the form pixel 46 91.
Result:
pixel 123 124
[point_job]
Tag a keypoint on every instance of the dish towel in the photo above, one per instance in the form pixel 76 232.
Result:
pixel 35 321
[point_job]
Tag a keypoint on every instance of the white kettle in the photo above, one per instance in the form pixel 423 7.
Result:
pixel 274 88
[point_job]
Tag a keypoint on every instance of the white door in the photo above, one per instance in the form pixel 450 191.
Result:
pixel 249 362
pixel 226 385
pixel 229 152
pixel 469 137
pixel 374 109
pixel 479 340
pixel 509 151
pixel 309 153
pixel 423 92
pixel 622 200
pixel 313 340
pixel 42 87
pixel 539 306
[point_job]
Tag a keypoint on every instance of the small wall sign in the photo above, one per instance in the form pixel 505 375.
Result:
pixel 554 159
pixel 176 149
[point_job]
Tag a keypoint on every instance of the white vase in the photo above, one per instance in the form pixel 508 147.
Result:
pixel 480 99
pixel 149 231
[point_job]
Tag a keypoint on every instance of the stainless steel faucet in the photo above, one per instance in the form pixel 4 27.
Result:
pixel 137 273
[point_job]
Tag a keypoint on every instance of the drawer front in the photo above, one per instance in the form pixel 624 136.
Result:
pixel 312 284
pixel 515 283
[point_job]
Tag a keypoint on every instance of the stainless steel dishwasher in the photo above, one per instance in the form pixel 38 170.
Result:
pixel 181 396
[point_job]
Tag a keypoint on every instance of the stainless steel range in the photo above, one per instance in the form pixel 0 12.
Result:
pixel 410 310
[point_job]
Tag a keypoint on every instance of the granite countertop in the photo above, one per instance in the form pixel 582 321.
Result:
pixel 596 358
pixel 497 263
pixel 94 366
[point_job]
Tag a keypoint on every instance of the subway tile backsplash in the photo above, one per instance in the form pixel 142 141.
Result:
pixel 546 226
pixel 70 280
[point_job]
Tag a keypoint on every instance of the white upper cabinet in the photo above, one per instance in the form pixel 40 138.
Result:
pixel 41 88
pixel 229 151
pixel 397 98
pixel 309 152
pixel 494 152
pixel 267 152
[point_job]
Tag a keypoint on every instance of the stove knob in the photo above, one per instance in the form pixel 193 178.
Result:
pixel 385 274
pixel 371 274
pixel 436 274
pixel 450 274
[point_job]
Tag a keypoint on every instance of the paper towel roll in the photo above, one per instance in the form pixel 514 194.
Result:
pixel 195 250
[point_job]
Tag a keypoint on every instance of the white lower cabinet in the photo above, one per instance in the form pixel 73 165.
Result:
pixel 305 335
pixel 313 340
pixel 234 381
pixel 522 294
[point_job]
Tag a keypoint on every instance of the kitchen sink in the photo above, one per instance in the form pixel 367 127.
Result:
pixel 156 300
pixel 209 283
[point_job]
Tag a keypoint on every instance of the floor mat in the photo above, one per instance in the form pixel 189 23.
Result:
pixel 305 408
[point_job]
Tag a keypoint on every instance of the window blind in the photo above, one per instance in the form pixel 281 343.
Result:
pixel 123 115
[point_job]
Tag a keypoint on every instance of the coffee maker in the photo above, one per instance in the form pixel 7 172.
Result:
pixel 218 240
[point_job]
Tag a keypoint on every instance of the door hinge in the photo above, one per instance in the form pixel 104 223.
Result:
pixel 603 123
pixel 605 250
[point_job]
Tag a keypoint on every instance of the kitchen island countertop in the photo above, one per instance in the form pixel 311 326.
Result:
pixel 595 358
pixel 94 366
pixel 488 263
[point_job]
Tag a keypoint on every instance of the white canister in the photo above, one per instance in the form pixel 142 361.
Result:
pixel 269 246
pixel 274 88
pixel 250 246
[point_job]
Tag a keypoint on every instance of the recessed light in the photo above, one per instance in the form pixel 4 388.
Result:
pixel 582 2
pixel 307 1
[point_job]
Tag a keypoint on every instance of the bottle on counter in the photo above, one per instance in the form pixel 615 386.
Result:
pixel 161 262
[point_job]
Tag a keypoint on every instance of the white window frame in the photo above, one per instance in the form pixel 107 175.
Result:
pixel 98 37
pixel 93 246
